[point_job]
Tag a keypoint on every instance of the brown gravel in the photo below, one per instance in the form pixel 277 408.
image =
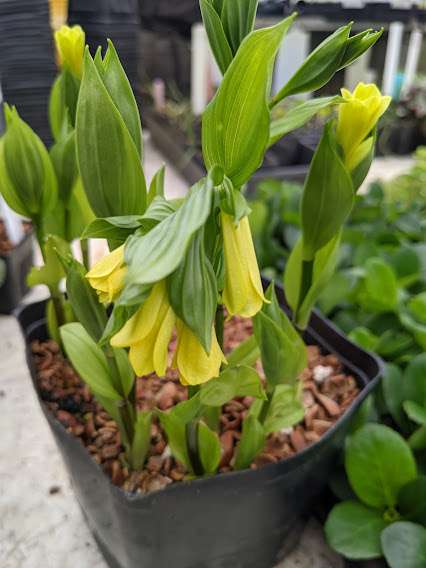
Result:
pixel 327 393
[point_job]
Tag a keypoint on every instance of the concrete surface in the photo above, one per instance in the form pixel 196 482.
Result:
pixel 39 529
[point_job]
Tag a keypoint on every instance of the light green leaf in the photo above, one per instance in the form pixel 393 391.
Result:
pixel 393 392
pixel 390 464
pixel 156 188
pixel 116 228
pixel 415 380
pixel 246 353
pixel 236 123
pixel 415 412
pixel 141 440
pixel 404 545
pixel 327 196
pixel 209 448
pixel 88 360
pixel 238 18
pixel 299 115
pixel 252 442
pixel 192 291
pixel 127 375
pixel 354 530
pixel 176 437
pixel 215 32
pixel 285 410
pixel 64 160
pixel 231 383
pixel 379 291
pixel 108 159
pixel 157 254
pixel 51 272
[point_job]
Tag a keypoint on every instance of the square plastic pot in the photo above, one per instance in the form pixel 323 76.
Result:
pixel 245 519
pixel 18 263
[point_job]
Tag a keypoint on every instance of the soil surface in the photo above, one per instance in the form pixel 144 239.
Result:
pixel 5 244
pixel 327 392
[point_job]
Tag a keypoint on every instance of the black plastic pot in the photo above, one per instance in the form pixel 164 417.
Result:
pixel 18 263
pixel 247 519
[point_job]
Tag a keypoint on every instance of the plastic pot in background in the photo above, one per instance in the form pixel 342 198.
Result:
pixel 246 519
pixel 17 264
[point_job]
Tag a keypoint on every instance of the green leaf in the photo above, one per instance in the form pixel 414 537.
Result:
pixel 251 443
pixel 363 337
pixel 79 212
pixel 63 102
pixel 393 392
pixel 232 201
pixel 108 159
pixel 88 360
pixel 51 272
pixel 379 290
pixel 156 188
pixel 231 383
pixel 415 412
pixel 157 254
pixel 176 437
pixel 323 269
pixel 415 380
pixel 378 463
pixel 282 349
pixel 119 89
pixel 64 160
pixel 319 67
pixel 126 373
pixel 141 440
pixel 246 353
pixel 209 448
pixel 187 410
pixel 417 440
pixel 216 34
pixel 28 181
pixel 404 545
pixel 354 530
pixel 285 410
pixel 412 500
pixel 299 115
pixel 235 136
pixel 238 18
pixel 84 300
pixel 359 44
pixel 327 196
pixel 116 228
pixel 417 307
pixel 192 291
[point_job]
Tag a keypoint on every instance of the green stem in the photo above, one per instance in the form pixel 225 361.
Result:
pixel 265 408
pixel 85 252
pixel 126 408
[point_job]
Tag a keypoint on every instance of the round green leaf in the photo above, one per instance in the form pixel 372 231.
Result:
pixel 378 463
pixel 353 530
pixel 404 545
pixel 412 500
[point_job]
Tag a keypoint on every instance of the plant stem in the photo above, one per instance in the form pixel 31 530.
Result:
pixel 126 409
pixel 85 252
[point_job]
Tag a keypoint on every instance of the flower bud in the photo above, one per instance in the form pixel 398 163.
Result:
pixel 70 42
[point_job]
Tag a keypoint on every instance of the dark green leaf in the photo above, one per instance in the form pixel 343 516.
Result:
pixel 285 410
pixel 125 370
pixel 415 380
pixel 209 448
pixel 359 44
pixel 252 442
pixel 417 440
pixel 412 501
pixel 235 136
pixel 415 412
pixel 327 196
pixel 231 383
pixel 393 392
pixel 88 360
pixel 116 228
pixel 390 464
pixel 404 545
pixel 64 160
pixel 354 530
pixel 157 254
pixel 238 18
pixel 193 293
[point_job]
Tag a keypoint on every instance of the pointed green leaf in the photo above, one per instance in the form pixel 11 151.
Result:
pixel 285 409
pixel 156 188
pixel 232 383
pixel 216 34
pixel 238 18
pixel 209 448
pixel 142 439
pixel 246 353
pixel 251 443
pixel 176 437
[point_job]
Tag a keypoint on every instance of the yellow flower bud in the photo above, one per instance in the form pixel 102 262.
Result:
pixel 70 42
pixel 357 118
pixel 243 292
pixel 107 276
pixel 148 333
pixel 194 364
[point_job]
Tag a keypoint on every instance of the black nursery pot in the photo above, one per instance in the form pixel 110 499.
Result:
pixel 246 519
pixel 18 263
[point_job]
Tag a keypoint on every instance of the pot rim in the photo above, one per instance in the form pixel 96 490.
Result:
pixel 290 463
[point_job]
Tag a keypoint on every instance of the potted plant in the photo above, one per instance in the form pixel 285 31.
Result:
pixel 211 429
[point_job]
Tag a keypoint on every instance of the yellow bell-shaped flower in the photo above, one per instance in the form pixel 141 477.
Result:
pixel 357 118
pixel 148 333
pixel 243 292
pixel 194 364
pixel 107 276
pixel 70 42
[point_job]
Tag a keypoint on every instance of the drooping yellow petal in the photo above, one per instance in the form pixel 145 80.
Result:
pixel 243 292
pixel 107 276
pixel 194 364
pixel 70 42
pixel 357 118
pixel 148 333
